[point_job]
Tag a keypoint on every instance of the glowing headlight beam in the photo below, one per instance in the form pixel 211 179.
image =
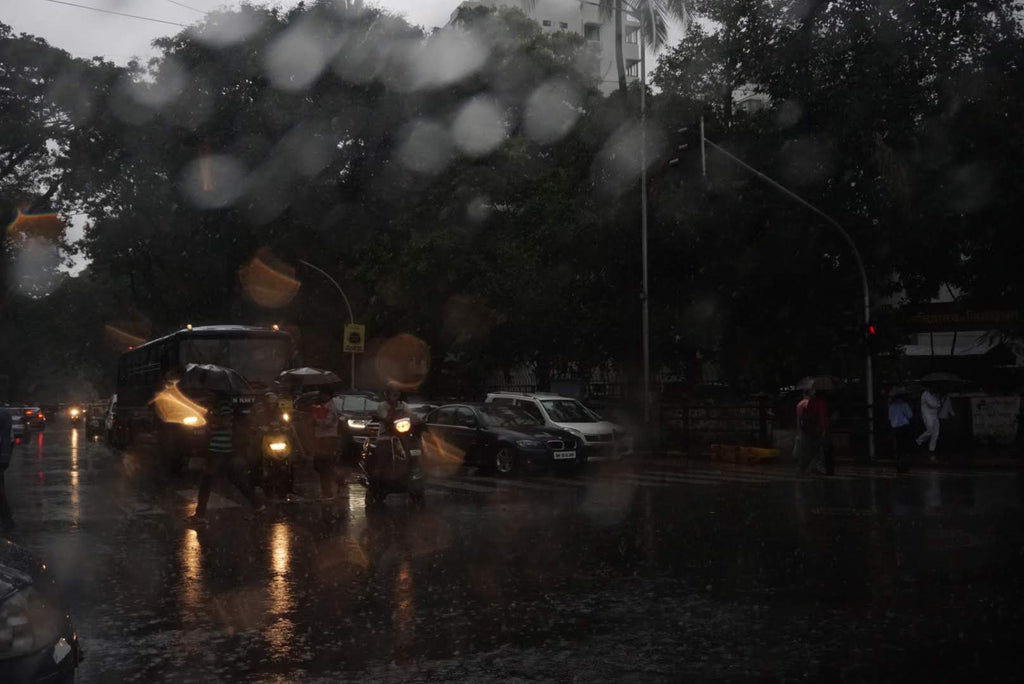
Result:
pixel 174 407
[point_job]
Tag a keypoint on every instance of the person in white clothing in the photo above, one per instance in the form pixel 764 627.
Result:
pixel 931 404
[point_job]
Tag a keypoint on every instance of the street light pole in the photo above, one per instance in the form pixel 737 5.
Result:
pixel 869 382
pixel 351 318
pixel 645 312
pixel 643 224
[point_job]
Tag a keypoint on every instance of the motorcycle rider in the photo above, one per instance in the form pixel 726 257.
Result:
pixel 392 408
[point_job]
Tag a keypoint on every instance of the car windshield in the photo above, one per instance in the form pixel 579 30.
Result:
pixel 568 411
pixel 359 404
pixel 506 416
pixel 256 359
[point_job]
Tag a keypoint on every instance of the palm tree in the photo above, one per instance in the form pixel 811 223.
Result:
pixel 654 18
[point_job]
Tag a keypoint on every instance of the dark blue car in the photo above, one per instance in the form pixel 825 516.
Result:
pixel 495 438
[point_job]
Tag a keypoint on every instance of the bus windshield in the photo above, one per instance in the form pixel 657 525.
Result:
pixel 258 359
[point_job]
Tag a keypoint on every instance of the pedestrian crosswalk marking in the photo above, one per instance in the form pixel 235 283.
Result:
pixel 712 475
pixel 592 481
pixel 522 484
pixel 217 501
pixel 464 486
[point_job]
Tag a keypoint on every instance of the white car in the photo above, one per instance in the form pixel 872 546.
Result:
pixel 602 439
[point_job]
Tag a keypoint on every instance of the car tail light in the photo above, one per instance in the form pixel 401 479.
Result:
pixel 40 415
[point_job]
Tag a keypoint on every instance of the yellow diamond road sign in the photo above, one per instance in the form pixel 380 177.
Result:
pixel 355 338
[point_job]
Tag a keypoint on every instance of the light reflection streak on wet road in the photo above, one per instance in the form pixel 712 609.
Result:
pixel 403 612
pixel 76 499
pixel 191 561
pixel 281 631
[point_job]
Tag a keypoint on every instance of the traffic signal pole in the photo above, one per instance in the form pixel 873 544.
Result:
pixel 351 318
pixel 868 369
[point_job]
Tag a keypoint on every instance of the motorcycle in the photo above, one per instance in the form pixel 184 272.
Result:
pixel 276 465
pixel 390 462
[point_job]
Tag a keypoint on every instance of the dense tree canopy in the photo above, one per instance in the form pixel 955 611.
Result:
pixel 472 187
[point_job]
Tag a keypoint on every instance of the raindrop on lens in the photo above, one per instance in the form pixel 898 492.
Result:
pixel 213 181
pixel 479 127
pixel 551 111
pixel 425 147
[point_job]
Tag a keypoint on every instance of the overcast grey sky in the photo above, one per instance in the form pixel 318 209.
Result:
pixel 85 33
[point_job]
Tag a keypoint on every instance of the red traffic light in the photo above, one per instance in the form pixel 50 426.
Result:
pixel 872 331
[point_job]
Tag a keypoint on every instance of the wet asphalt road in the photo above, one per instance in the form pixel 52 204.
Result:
pixel 637 572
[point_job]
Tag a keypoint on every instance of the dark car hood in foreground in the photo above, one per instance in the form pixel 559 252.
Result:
pixel 17 568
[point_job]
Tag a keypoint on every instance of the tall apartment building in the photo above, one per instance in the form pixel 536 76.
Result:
pixel 583 19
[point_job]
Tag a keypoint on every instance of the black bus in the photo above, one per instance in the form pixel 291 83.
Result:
pixel 258 354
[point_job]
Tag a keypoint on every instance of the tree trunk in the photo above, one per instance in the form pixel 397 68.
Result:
pixel 620 59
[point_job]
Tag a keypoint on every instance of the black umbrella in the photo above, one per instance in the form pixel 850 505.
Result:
pixel 943 378
pixel 213 378
pixel 306 377
pixel 826 383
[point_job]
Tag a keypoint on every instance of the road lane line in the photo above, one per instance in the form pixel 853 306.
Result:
pixel 464 486
pixel 728 477
pixel 216 500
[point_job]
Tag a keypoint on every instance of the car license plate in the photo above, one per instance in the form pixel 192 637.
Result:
pixel 415 452
pixel 564 455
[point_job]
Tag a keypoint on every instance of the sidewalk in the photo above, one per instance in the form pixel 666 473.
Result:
pixel 979 459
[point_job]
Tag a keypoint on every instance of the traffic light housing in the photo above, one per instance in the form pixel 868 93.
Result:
pixel 688 139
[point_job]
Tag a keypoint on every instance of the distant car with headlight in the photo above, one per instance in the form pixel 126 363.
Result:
pixel 356 412
pixel 95 418
pixel 18 428
pixel 33 418
pixel 76 414
pixel 38 643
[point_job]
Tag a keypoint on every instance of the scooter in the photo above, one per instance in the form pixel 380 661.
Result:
pixel 390 462
pixel 276 465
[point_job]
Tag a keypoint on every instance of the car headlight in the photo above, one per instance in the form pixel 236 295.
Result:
pixel 75 413
pixel 528 444
pixel 357 424
pixel 191 421
pixel 277 446
pixel 286 417
pixel 28 623
pixel 403 425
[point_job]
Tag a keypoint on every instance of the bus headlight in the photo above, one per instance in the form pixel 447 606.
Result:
pixel 277 446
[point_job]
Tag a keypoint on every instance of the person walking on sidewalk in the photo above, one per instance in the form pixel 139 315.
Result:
pixel 900 415
pixel 221 459
pixel 822 410
pixel 807 447
pixel 931 404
